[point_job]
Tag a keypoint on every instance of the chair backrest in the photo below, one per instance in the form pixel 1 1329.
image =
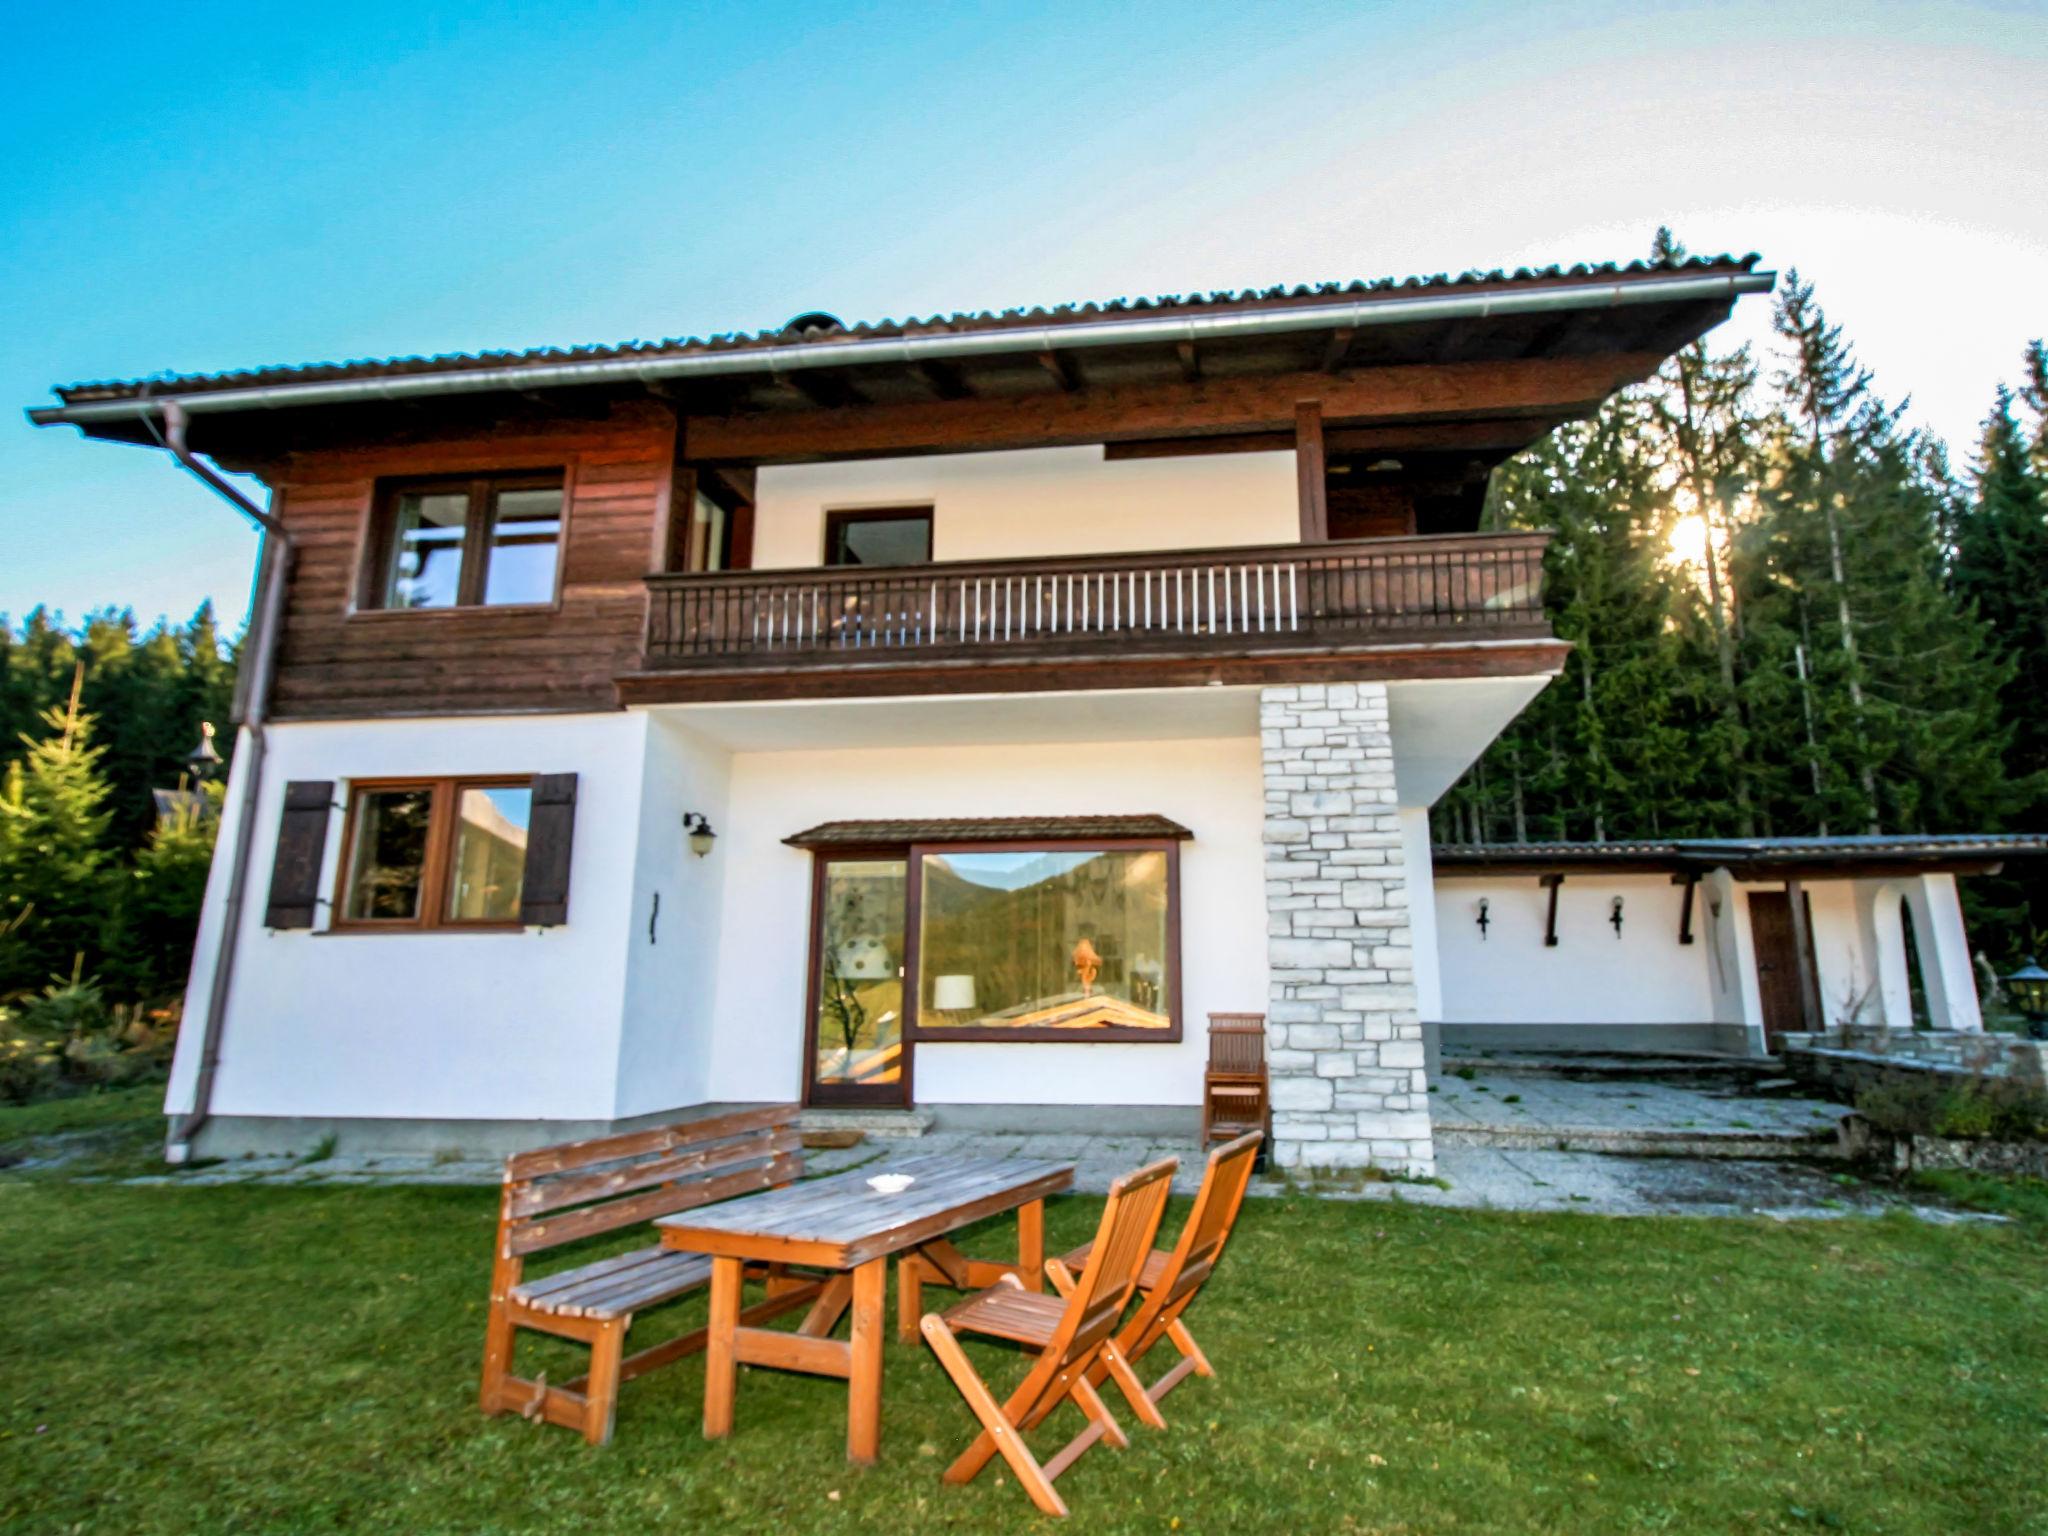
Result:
pixel 555 1195
pixel 1123 1241
pixel 1210 1223
pixel 1237 1043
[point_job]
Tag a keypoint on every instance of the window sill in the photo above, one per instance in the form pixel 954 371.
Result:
pixel 943 1036
pixel 455 611
pixel 394 930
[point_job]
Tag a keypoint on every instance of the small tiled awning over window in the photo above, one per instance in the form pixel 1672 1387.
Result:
pixel 990 829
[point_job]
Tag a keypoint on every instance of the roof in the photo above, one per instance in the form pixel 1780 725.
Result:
pixel 957 323
pixel 990 829
pixel 1759 857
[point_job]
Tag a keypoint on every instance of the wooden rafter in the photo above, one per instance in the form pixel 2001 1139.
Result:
pixel 1190 361
pixel 1335 347
pixel 1550 883
pixel 1061 367
pixel 1538 388
pixel 943 380
pixel 1691 882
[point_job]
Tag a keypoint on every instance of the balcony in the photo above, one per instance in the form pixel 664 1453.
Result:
pixel 1263 613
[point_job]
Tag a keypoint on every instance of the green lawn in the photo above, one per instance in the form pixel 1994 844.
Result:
pixel 303 1360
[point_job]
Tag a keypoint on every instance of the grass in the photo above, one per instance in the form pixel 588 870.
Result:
pixel 272 1359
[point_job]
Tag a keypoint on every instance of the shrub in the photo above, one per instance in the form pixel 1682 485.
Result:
pixel 1981 1107
pixel 67 1038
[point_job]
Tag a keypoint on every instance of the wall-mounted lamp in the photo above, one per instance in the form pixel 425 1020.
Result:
pixel 1614 916
pixel 1483 919
pixel 698 826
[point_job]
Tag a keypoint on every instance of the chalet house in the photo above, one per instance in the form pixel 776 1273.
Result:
pixel 949 713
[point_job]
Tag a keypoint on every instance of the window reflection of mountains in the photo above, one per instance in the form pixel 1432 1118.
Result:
pixel 1012 921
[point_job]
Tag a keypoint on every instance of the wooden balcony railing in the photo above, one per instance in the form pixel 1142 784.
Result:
pixel 1266 597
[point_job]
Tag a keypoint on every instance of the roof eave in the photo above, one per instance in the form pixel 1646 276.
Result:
pixel 926 347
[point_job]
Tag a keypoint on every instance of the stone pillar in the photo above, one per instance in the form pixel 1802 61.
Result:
pixel 1346 1050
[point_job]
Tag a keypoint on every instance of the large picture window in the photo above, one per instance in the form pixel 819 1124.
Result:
pixel 480 542
pixel 1055 942
pixel 434 853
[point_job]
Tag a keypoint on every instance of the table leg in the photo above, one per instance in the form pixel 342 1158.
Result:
pixel 721 1370
pixel 864 1384
pixel 1031 1244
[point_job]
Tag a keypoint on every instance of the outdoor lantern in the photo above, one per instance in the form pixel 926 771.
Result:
pixel 203 760
pixel 698 826
pixel 2029 988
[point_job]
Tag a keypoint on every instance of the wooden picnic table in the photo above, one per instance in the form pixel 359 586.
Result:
pixel 843 1225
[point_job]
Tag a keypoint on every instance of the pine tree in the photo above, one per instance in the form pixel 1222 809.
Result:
pixel 1999 566
pixel 157 914
pixel 53 859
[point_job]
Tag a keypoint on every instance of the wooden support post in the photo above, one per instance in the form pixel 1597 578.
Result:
pixel 1802 942
pixel 1551 883
pixel 1692 885
pixel 1311 472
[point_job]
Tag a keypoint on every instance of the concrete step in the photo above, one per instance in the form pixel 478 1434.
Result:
pixel 1676 1065
pixel 883 1124
pixel 1804 1146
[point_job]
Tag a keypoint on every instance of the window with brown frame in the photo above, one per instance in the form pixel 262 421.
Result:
pixel 1049 941
pixel 434 853
pixel 480 541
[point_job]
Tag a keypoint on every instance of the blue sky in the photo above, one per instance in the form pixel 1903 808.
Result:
pixel 207 186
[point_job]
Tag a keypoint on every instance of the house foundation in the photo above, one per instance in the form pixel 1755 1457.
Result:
pixel 1346 1050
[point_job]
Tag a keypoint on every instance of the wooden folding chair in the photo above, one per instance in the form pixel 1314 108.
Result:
pixel 1072 1337
pixel 1169 1281
pixel 1235 1094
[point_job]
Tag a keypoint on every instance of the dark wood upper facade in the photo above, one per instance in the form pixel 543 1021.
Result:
pixel 1394 428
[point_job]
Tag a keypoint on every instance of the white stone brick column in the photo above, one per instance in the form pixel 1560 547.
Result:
pixel 1345 1040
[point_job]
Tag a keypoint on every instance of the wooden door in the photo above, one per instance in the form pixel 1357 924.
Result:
pixel 1777 963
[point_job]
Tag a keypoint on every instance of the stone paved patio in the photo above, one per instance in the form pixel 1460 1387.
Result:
pixel 1496 1150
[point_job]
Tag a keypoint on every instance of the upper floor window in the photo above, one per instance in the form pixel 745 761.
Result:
pixel 879 536
pixel 486 541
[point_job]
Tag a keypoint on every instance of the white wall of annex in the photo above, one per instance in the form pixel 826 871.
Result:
pixel 1037 501
pixel 431 1025
pixel 1213 787
pixel 1592 976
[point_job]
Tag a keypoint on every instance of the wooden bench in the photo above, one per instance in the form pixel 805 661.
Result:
pixel 1235 1095
pixel 565 1194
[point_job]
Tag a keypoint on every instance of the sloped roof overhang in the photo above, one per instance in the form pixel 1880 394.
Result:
pixel 1762 858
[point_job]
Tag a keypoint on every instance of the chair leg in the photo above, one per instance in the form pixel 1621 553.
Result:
pixel 601 1394
pixel 1132 1388
pixel 1185 1343
pixel 997 1430
pixel 1098 1411
pixel 500 1337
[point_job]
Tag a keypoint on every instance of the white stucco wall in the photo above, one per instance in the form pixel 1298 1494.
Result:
pixel 671 956
pixel 1415 857
pixel 1213 787
pixel 1644 976
pixel 1037 501
pixel 431 1025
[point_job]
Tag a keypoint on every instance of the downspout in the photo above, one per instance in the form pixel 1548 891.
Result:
pixel 252 708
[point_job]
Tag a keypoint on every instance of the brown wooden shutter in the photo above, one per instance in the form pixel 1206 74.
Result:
pixel 550 833
pixel 301 845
